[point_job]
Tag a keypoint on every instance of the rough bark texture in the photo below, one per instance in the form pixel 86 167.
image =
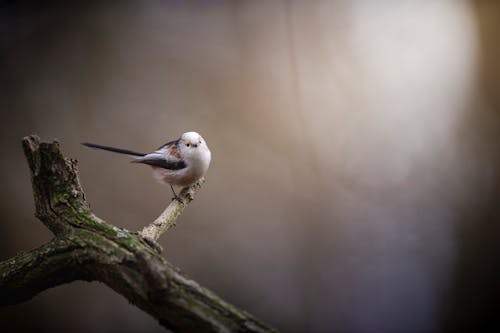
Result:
pixel 87 248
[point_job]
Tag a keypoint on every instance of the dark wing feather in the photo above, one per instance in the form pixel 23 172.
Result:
pixel 161 159
pixel 173 142
pixel 163 163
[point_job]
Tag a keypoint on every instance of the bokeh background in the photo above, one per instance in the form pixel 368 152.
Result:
pixel 355 178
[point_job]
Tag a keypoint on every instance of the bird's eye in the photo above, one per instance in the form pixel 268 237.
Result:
pixel 187 144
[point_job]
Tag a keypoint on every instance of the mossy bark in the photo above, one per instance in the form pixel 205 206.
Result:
pixel 87 248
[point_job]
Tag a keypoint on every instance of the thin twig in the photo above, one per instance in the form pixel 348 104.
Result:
pixel 169 216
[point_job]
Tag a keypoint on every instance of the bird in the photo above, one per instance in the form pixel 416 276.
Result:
pixel 180 162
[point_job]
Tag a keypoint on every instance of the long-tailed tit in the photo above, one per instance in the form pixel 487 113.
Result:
pixel 181 162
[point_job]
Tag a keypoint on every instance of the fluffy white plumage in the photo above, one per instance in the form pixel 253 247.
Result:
pixel 192 149
pixel 181 162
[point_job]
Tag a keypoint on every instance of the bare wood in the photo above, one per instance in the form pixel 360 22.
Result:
pixel 87 248
pixel 167 219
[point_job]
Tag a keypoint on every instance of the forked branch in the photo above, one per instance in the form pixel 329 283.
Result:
pixel 87 248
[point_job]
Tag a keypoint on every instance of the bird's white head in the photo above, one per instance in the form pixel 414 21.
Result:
pixel 191 139
pixel 193 147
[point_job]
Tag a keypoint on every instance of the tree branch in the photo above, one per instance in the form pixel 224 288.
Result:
pixel 87 248
pixel 167 219
pixel 27 274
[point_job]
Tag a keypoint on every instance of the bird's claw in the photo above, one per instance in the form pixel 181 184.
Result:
pixel 178 199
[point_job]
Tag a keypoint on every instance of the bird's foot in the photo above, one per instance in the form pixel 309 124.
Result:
pixel 178 199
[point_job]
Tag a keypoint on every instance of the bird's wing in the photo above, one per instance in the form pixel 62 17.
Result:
pixel 162 159
pixel 168 144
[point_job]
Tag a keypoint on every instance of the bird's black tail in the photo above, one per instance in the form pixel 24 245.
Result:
pixel 114 150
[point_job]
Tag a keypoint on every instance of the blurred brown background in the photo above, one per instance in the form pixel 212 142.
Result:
pixel 355 177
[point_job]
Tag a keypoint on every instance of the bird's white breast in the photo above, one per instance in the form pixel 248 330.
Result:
pixel 197 164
